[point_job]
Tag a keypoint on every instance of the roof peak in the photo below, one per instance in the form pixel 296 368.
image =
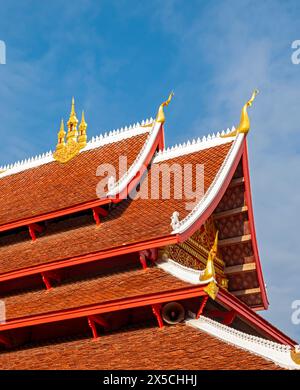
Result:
pixel 194 145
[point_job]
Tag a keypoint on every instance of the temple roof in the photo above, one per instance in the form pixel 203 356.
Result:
pixel 125 224
pixel 56 232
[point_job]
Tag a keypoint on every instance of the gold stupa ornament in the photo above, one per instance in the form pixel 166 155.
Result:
pixel 244 125
pixel 69 144
pixel 209 274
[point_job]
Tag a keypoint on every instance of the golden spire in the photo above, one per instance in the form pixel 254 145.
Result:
pixel 210 268
pixel 82 137
pixel 65 151
pixel 72 124
pixel 160 114
pixel 61 136
pixel 244 125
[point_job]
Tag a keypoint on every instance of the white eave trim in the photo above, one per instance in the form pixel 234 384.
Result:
pixel 196 145
pixel 182 272
pixel 277 353
pixel 214 188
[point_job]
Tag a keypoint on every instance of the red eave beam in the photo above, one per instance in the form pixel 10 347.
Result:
pixel 107 307
pixel 254 319
pixel 102 255
pixel 54 214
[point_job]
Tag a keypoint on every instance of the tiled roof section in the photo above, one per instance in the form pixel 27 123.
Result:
pixel 56 186
pixel 101 289
pixel 130 222
pixel 174 347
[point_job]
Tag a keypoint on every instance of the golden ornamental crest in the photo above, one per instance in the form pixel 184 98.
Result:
pixel 69 144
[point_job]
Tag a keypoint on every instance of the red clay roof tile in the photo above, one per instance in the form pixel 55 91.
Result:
pixel 101 289
pixel 54 186
pixel 173 347
pixel 131 221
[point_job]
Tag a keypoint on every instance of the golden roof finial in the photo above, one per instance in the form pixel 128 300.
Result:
pixel 66 151
pixel 72 124
pixel 160 114
pixel 82 137
pixel 244 125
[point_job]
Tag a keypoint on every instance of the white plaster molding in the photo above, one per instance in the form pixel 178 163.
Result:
pixel 182 272
pixel 278 353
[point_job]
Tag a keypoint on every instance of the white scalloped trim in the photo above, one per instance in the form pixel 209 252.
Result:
pixel 209 141
pixel 214 188
pixel 95 142
pixel 182 272
pixel 278 353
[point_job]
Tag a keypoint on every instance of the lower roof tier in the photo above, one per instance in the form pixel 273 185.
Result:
pixel 173 347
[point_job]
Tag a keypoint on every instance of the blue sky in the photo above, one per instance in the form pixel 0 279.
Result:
pixel 121 58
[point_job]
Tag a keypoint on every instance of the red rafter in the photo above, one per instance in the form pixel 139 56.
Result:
pixel 202 306
pixel 93 320
pixel 33 229
pixel 97 212
pixel 157 312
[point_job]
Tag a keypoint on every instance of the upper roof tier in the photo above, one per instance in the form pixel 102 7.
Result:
pixel 42 185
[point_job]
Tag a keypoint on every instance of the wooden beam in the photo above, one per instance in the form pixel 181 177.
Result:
pixel 247 291
pixel 234 240
pixel 228 213
pixel 234 269
pixel 237 182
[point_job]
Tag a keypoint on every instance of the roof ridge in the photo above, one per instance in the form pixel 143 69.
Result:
pixel 196 144
pixel 95 142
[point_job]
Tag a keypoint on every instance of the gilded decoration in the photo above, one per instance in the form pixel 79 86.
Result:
pixel 212 290
pixel 194 252
pixel 295 356
pixel 160 118
pixel 69 144
pixel 244 125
